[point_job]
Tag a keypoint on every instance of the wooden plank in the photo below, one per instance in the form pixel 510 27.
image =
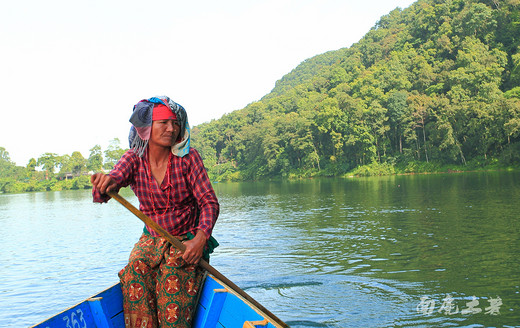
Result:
pixel 256 324
pixel 211 300
pixel 112 300
pixel 236 312
pixel 212 314
pixel 118 321
pixel 98 313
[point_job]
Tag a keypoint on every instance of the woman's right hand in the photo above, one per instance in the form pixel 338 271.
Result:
pixel 102 182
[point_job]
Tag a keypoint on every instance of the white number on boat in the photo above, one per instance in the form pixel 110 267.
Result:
pixel 73 322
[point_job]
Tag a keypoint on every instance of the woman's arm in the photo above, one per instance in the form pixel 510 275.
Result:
pixel 203 192
pixel 121 176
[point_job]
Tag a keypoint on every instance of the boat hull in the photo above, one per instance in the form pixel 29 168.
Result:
pixel 218 306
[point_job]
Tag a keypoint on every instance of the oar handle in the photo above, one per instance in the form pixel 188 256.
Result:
pixel 204 264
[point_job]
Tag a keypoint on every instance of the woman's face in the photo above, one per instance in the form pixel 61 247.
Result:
pixel 164 132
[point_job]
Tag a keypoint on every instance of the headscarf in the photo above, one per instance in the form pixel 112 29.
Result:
pixel 162 112
pixel 141 129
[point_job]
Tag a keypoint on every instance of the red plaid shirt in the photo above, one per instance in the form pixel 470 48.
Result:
pixel 174 204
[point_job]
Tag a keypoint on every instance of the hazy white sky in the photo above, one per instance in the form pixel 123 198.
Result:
pixel 71 70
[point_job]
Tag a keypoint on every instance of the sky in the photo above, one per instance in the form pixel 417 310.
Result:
pixel 71 70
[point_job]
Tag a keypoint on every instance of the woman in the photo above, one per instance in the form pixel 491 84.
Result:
pixel 160 283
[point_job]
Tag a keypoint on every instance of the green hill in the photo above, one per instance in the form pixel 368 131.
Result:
pixel 433 86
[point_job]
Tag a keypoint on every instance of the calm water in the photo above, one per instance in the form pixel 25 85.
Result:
pixel 406 251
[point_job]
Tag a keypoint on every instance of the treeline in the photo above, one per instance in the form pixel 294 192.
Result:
pixel 52 172
pixel 435 86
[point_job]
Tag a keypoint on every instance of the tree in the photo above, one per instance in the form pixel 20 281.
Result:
pixel 48 163
pixel 78 163
pixel 95 159
pixel 397 111
pixel 515 71
pixel 6 165
pixel 113 154
pixel 4 156
pixel 31 165
pixel 419 105
pixel 478 72
pixel 376 119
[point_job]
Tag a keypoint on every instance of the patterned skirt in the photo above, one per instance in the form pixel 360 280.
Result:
pixel 159 288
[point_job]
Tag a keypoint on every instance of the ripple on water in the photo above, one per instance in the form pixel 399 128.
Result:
pixel 325 300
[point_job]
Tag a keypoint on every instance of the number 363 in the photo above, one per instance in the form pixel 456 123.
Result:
pixel 75 320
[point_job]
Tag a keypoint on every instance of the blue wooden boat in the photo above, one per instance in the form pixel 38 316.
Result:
pixel 218 306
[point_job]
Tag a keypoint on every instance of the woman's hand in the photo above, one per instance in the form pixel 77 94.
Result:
pixel 194 248
pixel 103 182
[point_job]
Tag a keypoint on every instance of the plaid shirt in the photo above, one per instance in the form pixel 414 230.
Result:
pixel 174 204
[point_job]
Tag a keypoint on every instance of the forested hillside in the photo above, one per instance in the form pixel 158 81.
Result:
pixel 434 85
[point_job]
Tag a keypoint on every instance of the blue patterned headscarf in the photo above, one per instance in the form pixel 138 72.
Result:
pixel 141 120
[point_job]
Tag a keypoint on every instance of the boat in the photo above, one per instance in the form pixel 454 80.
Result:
pixel 218 306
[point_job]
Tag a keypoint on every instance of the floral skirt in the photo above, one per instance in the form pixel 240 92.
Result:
pixel 159 288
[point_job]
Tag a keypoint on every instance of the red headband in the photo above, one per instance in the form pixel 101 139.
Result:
pixel 161 112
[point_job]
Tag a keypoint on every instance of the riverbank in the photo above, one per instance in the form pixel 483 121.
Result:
pixel 12 186
pixel 377 169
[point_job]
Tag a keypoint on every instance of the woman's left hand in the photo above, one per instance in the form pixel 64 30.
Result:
pixel 194 248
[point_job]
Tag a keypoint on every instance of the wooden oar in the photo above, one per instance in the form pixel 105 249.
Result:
pixel 204 264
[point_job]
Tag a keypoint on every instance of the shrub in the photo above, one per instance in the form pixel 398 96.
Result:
pixel 374 169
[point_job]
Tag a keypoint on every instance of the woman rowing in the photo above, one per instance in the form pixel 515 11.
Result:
pixel 160 283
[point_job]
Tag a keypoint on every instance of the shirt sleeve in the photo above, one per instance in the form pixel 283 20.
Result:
pixel 123 174
pixel 203 192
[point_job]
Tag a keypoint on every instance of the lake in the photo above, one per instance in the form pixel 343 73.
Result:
pixel 403 251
